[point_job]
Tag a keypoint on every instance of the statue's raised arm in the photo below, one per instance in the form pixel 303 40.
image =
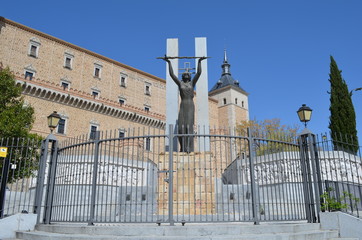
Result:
pixel 170 69
pixel 198 73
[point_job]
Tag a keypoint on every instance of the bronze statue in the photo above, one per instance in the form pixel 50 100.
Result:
pixel 186 116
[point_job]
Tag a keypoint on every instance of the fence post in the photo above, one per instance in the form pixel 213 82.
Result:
pixel 51 179
pixel 255 200
pixel 303 160
pixel 94 179
pixel 170 176
pixel 41 178
pixel 311 175
pixel 316 173
pixel 4 179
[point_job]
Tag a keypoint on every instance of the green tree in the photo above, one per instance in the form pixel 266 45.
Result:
pixel 342 121
pixel 273 136
pixel 16 119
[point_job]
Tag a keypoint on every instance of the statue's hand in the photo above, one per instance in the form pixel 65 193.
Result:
pixel 166 58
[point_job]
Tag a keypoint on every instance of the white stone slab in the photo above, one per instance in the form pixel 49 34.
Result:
pixel 17 222
pixel 172 93
pixel 202 94
pixel 348 226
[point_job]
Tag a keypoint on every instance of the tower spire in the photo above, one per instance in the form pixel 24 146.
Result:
pixel 226 78
pixel 225 56
pixel 225 66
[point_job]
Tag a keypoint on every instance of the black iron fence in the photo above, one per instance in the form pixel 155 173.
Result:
pixel 340 163
pixel 132 177
pixel 18 167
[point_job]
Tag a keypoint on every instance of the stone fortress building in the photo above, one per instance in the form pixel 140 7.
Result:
pixel 94 93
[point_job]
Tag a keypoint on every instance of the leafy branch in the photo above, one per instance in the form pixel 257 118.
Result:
pixel 331 203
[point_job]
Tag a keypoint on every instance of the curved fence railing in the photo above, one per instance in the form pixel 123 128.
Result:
pixel 135 178
pixel 340 163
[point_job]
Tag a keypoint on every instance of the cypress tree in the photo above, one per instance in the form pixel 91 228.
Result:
pixel 343 117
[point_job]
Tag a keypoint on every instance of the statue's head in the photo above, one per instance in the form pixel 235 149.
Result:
pixel 186 77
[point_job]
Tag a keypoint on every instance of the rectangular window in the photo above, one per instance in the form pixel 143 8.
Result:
pixel 122 102
pixel 68 63
pixel 148 90
pixel 224 101
pixel 148 144
pixel 93 132
pixel 121 134
pixel 61 126
pixel 68 60
pixel 97 72
pixel 29 75
pixel 33 51
pixel 65 85
pixel 236 101
pixel 147 109
pixel 123 81
pixel 95 94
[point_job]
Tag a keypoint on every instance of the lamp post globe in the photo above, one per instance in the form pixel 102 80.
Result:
pixel 53 120
pixel 304 114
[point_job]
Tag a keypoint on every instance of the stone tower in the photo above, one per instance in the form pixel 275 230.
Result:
pixel 232 99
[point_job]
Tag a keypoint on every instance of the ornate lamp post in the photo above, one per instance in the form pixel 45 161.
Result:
pixel 310 166
pixel 51 140
pixel 304 114
pixel 53 121
pixel 355 90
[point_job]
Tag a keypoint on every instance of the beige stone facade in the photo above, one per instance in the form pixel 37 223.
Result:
pixel 89 91
pixel 232 106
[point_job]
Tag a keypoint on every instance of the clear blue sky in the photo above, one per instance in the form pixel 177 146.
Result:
pixel 278 49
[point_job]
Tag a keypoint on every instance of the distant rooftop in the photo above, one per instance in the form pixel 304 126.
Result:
pixel 226 79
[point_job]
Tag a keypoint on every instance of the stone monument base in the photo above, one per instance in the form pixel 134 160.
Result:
pixel 193 184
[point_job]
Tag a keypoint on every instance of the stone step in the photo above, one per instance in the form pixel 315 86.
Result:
pixel 188 229
pixel 215 231
pixel 320 235
pixel 343 238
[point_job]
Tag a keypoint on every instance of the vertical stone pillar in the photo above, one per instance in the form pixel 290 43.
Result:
pixel 172 94
pixel 202 96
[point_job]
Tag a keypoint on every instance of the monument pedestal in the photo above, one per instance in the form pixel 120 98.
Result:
pixel 193 184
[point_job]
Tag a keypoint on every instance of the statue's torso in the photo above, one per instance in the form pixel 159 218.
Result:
pixel 186 90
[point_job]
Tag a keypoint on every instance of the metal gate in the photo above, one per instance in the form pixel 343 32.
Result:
pixel 132 179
